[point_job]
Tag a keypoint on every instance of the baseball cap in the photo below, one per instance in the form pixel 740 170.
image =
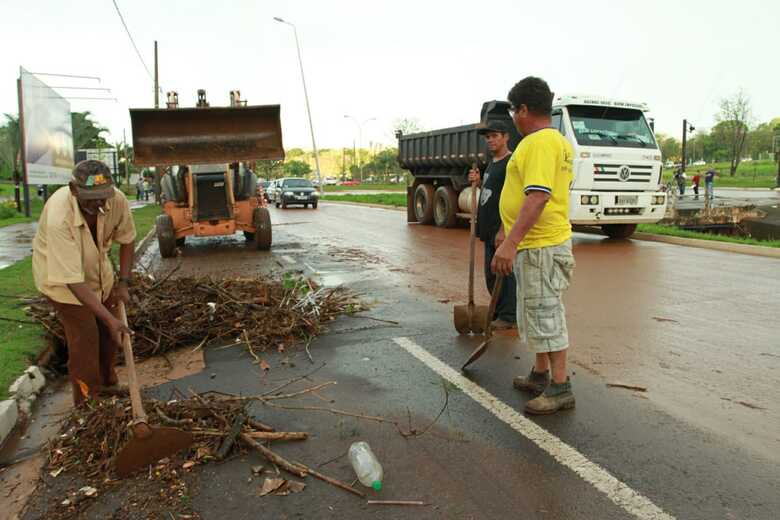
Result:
pixel 92 180
pixel 493 125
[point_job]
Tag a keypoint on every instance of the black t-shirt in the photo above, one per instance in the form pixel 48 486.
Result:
pixel 488 216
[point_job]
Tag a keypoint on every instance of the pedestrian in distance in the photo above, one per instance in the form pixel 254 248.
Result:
pixel 139 188
pixel 679 178
pixel 496 134
pixel 709 183
pixel 695 185
pixel 536 244
pixel 146 189
pixel 71 268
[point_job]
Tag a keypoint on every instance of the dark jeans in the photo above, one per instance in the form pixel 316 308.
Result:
pixel 506 307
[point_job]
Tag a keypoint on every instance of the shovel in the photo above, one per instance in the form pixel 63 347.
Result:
pixel 482 348
pixel 147 444
pixel 470 317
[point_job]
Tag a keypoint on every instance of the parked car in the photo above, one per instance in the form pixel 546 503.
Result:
pixel 698 163
pixel 350 183
pixel 294 190
pixel 331 181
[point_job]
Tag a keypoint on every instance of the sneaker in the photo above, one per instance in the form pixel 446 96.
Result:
pixel 557 396
pixel 535 382
pixel 500 324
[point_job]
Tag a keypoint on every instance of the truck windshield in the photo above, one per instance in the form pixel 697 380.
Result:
pixel 606 126
pixel 297 183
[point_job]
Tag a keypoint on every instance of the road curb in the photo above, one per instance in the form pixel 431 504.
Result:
pixel 364 204
pixel 728 247
pixel 26 388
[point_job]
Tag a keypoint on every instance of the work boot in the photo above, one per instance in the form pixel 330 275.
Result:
pixel 499 324
pixel 534 383
pixel 557 396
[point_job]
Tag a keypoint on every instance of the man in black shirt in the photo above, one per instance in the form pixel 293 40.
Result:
pixel 496 134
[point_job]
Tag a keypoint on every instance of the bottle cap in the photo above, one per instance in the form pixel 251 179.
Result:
pixel 377 485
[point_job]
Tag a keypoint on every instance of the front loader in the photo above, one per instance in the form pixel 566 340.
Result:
pixel 208 188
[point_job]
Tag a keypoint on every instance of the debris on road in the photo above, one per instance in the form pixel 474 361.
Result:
pixel 636 388
pixel 258 313
pixel 658 318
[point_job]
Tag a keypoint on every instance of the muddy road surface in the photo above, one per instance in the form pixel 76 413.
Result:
pixel 696 328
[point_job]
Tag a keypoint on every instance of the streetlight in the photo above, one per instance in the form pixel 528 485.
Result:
pixel 360 140
pixel 306 96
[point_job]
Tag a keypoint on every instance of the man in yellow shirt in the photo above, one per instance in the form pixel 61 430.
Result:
pixel 537 242
pixel 72 269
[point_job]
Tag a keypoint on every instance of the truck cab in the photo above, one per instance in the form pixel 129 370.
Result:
pixel 617 163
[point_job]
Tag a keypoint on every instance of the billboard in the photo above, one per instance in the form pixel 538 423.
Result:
pixel 48 136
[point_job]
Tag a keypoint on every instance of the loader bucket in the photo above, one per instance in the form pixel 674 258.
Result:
pixel 211 135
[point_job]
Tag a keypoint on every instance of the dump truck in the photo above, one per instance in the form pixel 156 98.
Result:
pixel 617 165
pixel 208 188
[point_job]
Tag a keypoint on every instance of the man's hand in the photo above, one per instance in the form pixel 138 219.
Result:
pixel 117 328
pixel 504 258
pixel 500 237
pixel 118 294
pixel 474 176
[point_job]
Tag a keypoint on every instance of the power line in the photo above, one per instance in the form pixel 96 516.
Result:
pixel 140 57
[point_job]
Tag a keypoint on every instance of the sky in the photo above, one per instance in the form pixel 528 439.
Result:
pixel 378 61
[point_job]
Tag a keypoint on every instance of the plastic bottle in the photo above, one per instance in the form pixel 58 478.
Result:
pixel 366 465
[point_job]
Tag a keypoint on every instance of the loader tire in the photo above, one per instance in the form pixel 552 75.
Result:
pixel 423 203
pixel 166 238
pixel 618 230
pixel 445 207
pixel 261 219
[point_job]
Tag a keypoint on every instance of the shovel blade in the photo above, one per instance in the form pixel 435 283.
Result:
pixel 473 322
pixel 477 353
pixel 139 453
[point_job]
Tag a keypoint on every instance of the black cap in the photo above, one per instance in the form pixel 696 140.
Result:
pixel 493 125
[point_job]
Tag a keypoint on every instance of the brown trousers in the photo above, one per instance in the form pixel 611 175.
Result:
pixel 91 351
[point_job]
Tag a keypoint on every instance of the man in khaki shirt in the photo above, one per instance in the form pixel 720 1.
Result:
pixel 72 269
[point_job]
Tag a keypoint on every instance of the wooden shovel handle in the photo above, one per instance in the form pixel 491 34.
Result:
pixel 139 415
pixel 472 243
pixel 493 302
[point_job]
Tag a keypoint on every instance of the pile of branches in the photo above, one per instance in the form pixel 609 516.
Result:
pixel 93 435
pixel 259 312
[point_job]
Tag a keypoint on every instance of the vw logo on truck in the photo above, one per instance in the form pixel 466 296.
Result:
pixel 624 173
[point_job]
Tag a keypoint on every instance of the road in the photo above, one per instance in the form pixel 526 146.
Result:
pixel 697 328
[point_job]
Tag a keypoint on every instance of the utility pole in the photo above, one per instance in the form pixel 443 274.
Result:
pixel 158 168
pixel 127 160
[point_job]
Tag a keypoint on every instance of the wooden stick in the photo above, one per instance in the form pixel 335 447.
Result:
pixel 280 461
pixel 257 425
pixel 333 481
pixel 279 436
pixel 230 439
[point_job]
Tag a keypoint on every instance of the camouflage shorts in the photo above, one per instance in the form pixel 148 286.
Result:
pixel 542 275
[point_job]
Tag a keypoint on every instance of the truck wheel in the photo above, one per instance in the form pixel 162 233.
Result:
pixel 261 219
pixel 618 230
pixel 445 207
pixel 423 203
pixel 166 238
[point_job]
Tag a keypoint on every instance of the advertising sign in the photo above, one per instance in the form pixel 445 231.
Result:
pixel 48 136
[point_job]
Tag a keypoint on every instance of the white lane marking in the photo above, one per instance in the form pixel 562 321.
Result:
pixel 629 500
pixel 288 259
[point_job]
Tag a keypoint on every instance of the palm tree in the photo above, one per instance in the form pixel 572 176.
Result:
pixel 86 133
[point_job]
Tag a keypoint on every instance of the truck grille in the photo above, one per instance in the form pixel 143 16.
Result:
pixel 613 172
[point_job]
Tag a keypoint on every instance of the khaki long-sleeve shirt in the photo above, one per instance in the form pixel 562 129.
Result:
pixel 65 253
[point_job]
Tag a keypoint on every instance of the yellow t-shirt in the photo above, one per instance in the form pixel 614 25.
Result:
pixel 542 161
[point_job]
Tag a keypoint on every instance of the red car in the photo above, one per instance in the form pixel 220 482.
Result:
pixel 350 183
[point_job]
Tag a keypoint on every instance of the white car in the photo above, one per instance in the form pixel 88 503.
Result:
pixel 331 181
pixel 698 163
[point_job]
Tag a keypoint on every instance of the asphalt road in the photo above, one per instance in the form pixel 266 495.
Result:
pixel 697 328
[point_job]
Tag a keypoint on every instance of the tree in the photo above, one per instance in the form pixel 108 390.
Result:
pixel 268 169
pixel 296 168
pixel 9 146
pixel 86 132
pixel 734 120
pixel 407 126
pixel 670 147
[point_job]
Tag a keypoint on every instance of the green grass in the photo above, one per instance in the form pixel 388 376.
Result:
pixel 20 343
pixel 384 199
pixel 660 229
pixel 753 174
pixel 367 187
pixel 12 217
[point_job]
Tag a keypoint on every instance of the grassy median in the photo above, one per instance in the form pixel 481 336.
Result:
pixel 20 340
pixel 660 229
pixel 383 199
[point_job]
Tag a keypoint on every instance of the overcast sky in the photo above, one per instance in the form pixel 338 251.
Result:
pixel 433 61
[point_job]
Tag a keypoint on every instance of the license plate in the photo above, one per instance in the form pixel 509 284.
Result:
pixel 626 200
pixel 301 197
